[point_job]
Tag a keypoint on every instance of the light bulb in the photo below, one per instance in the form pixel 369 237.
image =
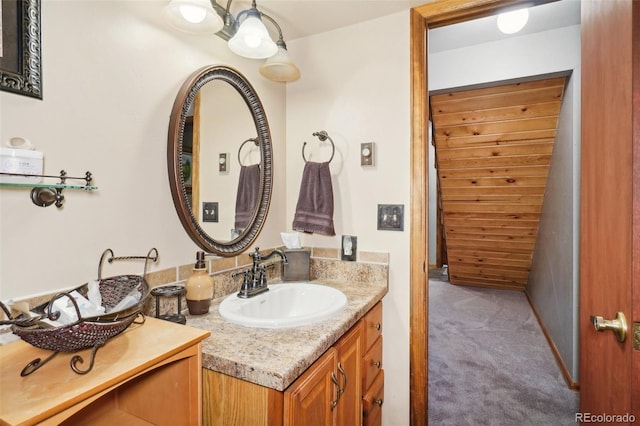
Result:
pixel 252 40
pixel 193 14
pixel 514 21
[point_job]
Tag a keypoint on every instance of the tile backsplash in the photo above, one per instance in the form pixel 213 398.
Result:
pixel 325 263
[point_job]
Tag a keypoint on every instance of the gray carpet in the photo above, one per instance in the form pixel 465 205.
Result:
pixel 489 363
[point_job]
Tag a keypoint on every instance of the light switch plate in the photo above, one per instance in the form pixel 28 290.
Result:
pixel 390 217
pixel 210 211
pixel 223 161
pixel 367 154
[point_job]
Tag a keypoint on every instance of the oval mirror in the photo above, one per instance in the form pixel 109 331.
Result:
pixel 219 160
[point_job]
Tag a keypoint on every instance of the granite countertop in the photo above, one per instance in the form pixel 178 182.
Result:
pixel 276 357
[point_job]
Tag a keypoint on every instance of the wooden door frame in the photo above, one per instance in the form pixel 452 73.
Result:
pixel 432 15
pixel 635 285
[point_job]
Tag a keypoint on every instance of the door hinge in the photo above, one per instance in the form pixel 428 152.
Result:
pixel 636 336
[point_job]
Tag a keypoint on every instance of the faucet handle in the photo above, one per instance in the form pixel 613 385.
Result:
pixel 237 274
pixel 246 281
pixel 244 273
pixel 262 280
pixel 256 255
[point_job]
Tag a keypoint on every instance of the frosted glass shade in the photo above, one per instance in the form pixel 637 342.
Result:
pixel 514 21
pixel 193 16
pixel 252 40
pixel 279 67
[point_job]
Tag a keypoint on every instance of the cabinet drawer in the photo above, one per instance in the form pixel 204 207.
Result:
pixel 372 326
pixel 372 402
pixel 371 364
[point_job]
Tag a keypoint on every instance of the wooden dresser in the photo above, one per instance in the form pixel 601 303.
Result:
pixel 149 374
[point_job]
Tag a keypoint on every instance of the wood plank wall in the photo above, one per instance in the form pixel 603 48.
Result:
pixel 493 150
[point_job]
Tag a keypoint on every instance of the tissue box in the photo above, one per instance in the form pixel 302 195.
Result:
pixel 297 266
pixel 20 161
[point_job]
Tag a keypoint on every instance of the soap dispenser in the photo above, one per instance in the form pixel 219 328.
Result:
pixel 199 287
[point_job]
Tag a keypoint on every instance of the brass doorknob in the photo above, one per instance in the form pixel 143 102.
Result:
pixel 617 325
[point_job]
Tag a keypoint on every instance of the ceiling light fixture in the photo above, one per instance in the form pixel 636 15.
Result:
pixel 513 21
pixel 245 33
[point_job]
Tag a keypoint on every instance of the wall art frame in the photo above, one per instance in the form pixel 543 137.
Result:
pixel 21 62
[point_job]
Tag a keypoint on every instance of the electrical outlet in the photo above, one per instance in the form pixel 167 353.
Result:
pixel 349 247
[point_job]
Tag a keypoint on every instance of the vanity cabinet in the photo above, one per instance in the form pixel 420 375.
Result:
pixel 344 387
pixel 329 392
pixel 372 372
pixel 149 374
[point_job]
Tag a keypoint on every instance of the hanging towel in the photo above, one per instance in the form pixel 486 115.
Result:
pixel 247 198
pixel 314 212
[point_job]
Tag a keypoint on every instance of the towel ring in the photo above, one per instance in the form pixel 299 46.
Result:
pixel 323 136
pixel 254 140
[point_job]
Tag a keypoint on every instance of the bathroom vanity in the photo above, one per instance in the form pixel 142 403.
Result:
pixel 330 372
pixel 149 374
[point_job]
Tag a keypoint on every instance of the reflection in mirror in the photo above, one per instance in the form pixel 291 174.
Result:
pixel 248 185
pixel 223 122
pixel 214 116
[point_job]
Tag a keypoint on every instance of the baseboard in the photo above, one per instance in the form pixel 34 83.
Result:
pixel 563 367
pixel 491 286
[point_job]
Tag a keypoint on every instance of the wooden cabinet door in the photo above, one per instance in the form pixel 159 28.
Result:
pixel 349 357
pixel 308 401
pixel 372 402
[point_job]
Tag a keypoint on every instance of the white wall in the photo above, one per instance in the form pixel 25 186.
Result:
pixel 111 71
pixel 553 281
pixel 355 85
pixel 516 57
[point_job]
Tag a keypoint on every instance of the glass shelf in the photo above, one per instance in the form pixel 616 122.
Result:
pixel 48 185
pixel 44 194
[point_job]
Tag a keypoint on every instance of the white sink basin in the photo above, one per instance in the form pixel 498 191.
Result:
pixel 284 305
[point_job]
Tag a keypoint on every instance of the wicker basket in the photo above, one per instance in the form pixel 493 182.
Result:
pixel 86 332
pixel 92 331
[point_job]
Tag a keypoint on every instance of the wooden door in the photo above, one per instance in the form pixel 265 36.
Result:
pixel 610 206
pixel 610 181
pixel 349 357
pixel 308 401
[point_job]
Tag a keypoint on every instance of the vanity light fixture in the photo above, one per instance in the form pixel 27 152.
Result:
pixel 279 67
pixel 513 21
pixel 252 39
pixel 245 33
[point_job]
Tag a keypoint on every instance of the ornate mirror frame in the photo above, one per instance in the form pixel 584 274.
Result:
pixel 24 77
pixel 179 113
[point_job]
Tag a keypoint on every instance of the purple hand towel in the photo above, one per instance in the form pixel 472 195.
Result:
pixel 314 212
pixel 247 196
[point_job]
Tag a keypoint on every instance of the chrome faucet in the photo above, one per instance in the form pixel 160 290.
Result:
pixel 254 279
